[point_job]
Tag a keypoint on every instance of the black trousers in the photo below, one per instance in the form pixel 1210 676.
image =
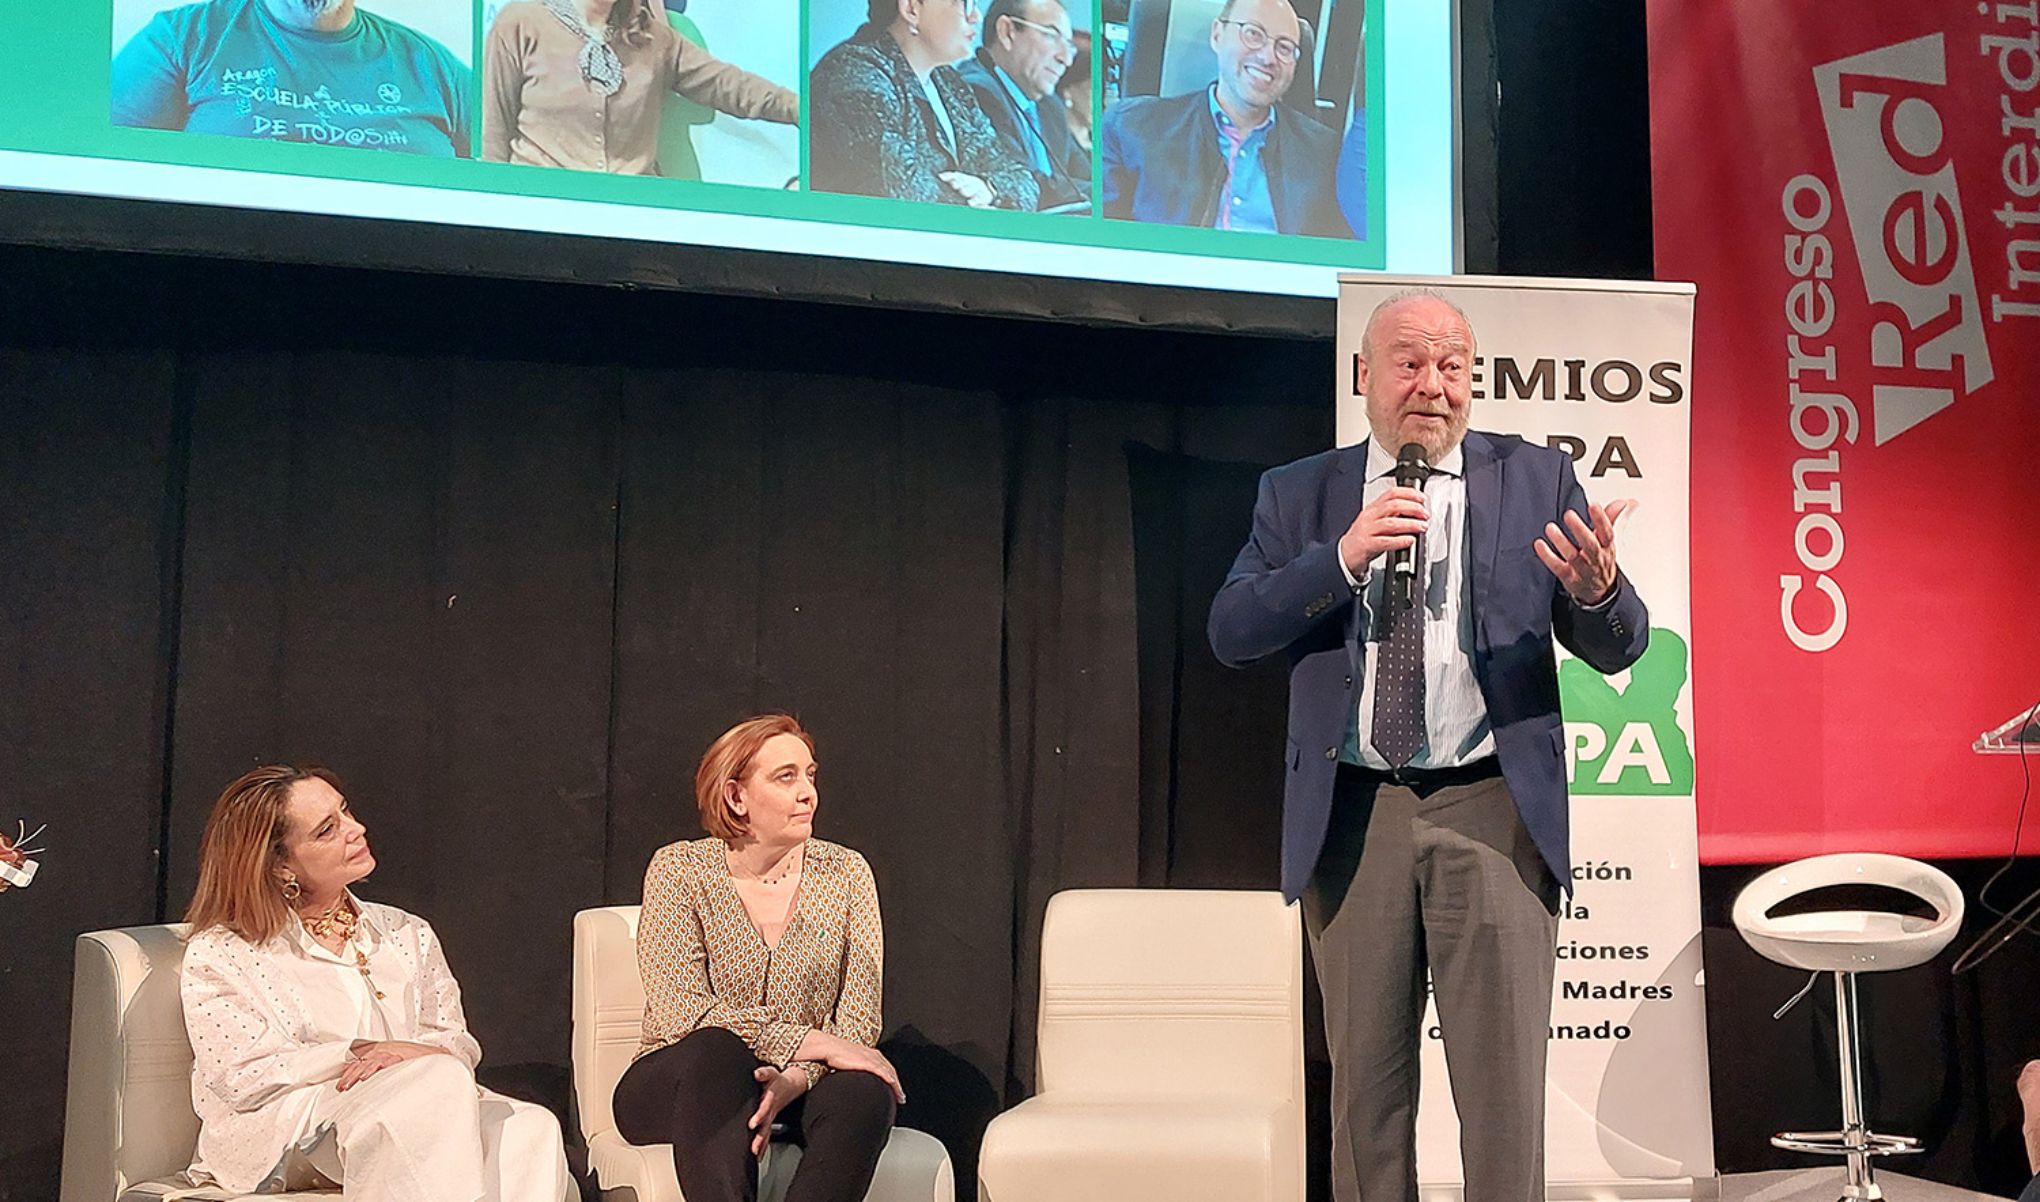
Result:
pixel 698 1095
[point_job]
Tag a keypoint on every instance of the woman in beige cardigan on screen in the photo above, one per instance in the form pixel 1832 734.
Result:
pixel 582 84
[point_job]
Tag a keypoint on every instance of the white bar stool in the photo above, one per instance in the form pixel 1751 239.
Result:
pixel 1845 943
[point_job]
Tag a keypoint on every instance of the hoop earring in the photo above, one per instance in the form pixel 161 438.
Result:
pixel 291 889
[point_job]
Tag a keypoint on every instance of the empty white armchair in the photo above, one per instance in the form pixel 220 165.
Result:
pixel 1846 942
pixel 128 1124
pixel 1170 1057
pixel 609 1005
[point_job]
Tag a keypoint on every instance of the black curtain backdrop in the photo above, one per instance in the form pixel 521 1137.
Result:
pixel 509 555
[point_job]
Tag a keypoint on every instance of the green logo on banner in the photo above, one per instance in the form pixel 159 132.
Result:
pixel 1628 742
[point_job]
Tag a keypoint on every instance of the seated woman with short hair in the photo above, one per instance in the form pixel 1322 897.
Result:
pixel 328 1042
pixel 762 956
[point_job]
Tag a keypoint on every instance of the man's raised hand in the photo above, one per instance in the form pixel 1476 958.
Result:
pixel 1581 555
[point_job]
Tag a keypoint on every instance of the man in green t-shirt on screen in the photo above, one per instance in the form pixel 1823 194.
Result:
pixel 317 71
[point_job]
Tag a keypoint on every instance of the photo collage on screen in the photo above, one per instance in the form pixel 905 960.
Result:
pixel 1236 115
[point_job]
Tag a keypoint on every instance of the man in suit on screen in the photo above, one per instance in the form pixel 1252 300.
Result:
pixel 1229 155
pixel 1028 48
pixel 1424 821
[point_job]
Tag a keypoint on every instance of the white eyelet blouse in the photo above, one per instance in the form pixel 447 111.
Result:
pixel 271 1023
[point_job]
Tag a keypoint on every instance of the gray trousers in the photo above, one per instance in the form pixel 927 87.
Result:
pixel 1444 878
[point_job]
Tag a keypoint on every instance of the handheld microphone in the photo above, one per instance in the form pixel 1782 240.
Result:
pixel 1410 472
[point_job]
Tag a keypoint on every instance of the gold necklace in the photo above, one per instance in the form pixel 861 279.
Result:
pixel 361 965
pixel 341 920
pixel 336 921
pixel 793 860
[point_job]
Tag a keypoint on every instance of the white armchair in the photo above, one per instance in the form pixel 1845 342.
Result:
pixel 129 1129
pixel 1171 1054
pixel 609 1004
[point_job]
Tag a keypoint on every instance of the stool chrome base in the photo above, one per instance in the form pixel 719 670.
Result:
pixel 1838 1143
pixel 1864 1144
pixel 1854 1141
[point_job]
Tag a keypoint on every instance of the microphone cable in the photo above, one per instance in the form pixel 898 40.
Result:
pixel 2021 916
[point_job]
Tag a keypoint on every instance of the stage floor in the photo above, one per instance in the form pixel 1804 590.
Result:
pixel 1787 1185
pixel 1824 1185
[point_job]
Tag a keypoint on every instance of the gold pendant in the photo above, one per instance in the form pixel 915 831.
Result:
pixel 361 963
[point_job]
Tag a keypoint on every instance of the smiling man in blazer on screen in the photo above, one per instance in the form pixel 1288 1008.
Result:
pixel 1228 156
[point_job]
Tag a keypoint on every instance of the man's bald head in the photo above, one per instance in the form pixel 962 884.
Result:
pixel 1398 299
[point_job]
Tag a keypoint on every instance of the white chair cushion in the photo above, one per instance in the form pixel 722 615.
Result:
pixel 1075 1147
pixel 128 1123
pixel 172 1191
pixel 1129 977
pixel 914 1167
pixel 645 1168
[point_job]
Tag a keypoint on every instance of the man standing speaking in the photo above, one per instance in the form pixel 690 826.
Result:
pixel 1424 821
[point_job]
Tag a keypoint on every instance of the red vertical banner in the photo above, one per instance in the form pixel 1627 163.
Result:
pixel 1856 192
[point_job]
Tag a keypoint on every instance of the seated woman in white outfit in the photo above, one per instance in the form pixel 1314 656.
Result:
pixel 328 1043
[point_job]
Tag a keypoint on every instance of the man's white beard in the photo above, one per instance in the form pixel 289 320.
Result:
pixel 314 8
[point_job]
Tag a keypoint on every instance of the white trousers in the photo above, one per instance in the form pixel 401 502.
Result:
pixel 423 1131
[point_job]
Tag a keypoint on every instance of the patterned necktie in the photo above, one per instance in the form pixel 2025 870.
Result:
pixel 1399 672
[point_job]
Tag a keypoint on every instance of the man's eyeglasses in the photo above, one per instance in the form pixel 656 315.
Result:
pixel 1253 37
pixel 1049 31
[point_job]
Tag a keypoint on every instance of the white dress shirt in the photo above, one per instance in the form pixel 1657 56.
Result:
pixel 1455 714
pixel 271 1023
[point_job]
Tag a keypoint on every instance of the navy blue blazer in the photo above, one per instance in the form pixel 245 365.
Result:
pixel 1068 179
pixel 1286 593
pixel 1161 163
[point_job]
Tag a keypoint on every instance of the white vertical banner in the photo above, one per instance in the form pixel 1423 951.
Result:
pixel 1601 370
